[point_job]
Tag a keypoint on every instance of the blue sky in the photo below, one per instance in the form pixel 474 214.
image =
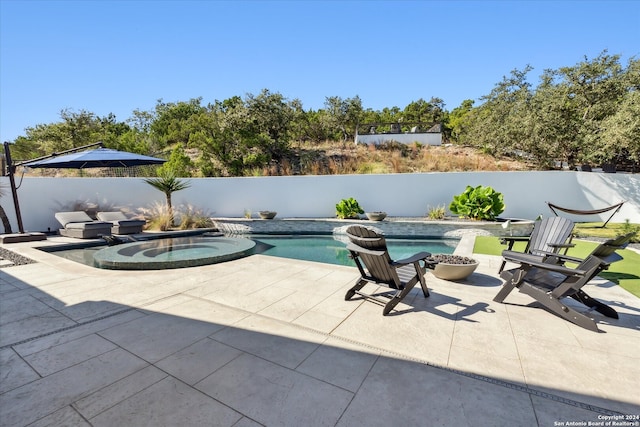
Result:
pixel 119 56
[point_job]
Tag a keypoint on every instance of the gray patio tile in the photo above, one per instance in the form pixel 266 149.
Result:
pixel 51 393
pixel 398 392
pixel 534 322
pixel 64 336
pixel 418 334
pixel 319 320
pixel 552 413
pixel 66 416
pixel 34 326
pixel 198 361
pixel 15 372
pixel 246 422
pixel 252 302
pixel 119 391
pixel 23 307
pixel 217 315
pixel 610 340
pixel 486 363
pixel 340 363
pixel 275 396
pixel 156 336
pixel 269 339
pixel 492 341
pixel 291 306
pixel 578 373
pixel 62 356
pixel 168 403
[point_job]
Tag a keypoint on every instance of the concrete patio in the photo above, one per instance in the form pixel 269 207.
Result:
pixel 270 341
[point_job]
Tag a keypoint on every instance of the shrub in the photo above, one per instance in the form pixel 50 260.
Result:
pixel 627 227
pixel 439 212
pixel 192 217
pixel 480 203
pixel 348 208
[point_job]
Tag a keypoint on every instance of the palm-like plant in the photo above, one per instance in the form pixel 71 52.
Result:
pixel 168 183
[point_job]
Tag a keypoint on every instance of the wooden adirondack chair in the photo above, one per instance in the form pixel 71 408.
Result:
pixel 549 281
pixel 368 249
pixel 549 235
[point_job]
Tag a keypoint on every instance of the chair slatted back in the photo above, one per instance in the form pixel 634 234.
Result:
pixel 549 230
pixel 378 266
pixel 607 250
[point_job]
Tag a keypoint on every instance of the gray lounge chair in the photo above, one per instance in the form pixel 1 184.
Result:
pixel 548 281
pixel 80 225
pixel 368 249
pixel 549 235
pixel 121 224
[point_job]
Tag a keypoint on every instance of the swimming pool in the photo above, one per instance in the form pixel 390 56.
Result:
pixel 328 250
pixel 319 248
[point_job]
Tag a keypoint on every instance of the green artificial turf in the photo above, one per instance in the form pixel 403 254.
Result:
pixel 625 273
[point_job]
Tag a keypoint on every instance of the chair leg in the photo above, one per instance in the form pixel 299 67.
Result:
pixel 399 296
pixel 600 307
pixel 351 292
pixel 502 266
pixel 512 279
pixel 557 307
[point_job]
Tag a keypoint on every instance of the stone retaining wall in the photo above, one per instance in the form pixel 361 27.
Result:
pixel 393 227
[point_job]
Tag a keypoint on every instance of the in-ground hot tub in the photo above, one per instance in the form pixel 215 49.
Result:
pixel 177 252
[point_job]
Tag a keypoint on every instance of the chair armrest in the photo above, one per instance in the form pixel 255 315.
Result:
pixel 512 239
pixel 414 258
pixel 538 262
pixel 561 245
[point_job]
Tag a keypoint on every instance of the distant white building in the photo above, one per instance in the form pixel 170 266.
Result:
pixel 403 133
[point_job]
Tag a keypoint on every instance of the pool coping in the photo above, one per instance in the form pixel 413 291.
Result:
pixel 390 226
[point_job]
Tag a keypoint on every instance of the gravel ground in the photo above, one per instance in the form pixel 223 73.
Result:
pixel 12 258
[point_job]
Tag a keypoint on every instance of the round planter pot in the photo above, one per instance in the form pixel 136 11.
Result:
pixel 376 216
pixel 451 271
pixel 267 214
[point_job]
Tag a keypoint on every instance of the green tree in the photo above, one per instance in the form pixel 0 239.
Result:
pixel 457 122
pixel 500 123
pixel 621 131
pixel 343 115
pixel 179 164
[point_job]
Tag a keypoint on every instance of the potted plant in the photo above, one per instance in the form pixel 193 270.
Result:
pixel 453 267
pixel 376 216
pixel 348 209
pixel 267 214
pixel 479 203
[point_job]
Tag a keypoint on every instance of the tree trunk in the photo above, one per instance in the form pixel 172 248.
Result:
pixel 5 221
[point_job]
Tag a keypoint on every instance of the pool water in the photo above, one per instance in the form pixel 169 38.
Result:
pixel 330 251
pixel 318 248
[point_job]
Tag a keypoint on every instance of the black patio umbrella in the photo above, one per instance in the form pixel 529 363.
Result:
pixel 97 158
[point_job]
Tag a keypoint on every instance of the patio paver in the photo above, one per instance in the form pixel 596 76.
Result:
pixel 271 341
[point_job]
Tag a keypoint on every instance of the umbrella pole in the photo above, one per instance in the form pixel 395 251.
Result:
pixel 12 181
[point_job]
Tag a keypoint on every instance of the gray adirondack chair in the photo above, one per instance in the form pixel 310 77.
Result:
pixel 368 249
pixel 549 281
pixel 549 235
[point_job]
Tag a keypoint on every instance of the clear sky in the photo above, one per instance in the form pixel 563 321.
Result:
pixel 119 56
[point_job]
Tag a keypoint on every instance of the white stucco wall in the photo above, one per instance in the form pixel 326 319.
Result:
pixel 525 194
pixel 403 138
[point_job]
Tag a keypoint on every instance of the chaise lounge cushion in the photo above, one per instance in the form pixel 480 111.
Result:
pixel 120 223
pixel 80 225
